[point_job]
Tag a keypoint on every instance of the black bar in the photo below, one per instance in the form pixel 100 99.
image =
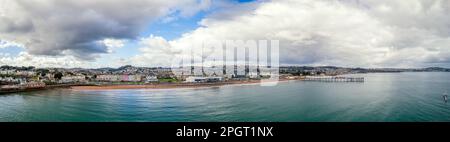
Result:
pixel 168 130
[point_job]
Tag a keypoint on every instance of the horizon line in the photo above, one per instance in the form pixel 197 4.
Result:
pixel 233 65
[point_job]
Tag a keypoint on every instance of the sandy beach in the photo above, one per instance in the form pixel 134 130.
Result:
pixel 164 86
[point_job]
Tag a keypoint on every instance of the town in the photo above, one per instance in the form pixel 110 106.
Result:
pixel 14 79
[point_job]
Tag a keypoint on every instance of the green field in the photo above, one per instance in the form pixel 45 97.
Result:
pixel 165 80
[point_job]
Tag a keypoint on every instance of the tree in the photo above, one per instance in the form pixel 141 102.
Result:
pixel 58 75
pixel 31 68
pixel 42 72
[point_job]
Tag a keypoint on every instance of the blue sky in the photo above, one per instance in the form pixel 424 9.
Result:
pixel 174 29
pixel 169 30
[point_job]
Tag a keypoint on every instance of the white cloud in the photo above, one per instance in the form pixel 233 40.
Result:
pixel 113 44
pixel 155 51
pixel 369 33
pixel 25 59
pixel 363 33
pixel 6 44
pixel 52 27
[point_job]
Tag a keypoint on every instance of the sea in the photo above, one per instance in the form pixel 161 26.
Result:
pixel 383 97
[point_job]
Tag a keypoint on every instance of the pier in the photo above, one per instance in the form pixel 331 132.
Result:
pixel 334 79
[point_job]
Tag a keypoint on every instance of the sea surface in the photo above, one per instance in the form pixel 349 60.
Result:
pixel 383 97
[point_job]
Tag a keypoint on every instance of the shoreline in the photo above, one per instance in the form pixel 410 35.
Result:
pixel 48 87
pixel 164 86
pixel 180 85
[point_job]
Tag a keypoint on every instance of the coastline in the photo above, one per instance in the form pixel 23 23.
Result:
pixel 164 86
pixel 17 90
pixel 180 85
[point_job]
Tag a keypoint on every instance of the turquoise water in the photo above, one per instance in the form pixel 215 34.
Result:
pixel 383 97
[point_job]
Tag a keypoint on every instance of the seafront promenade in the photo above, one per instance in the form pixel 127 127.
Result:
pixel 166 85
pixel 35 86
pixel 111 86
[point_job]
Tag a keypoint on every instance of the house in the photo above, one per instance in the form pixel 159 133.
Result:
pixel 27 85
pixel 124 78
pixel 150 79
pixel 131 78
pixel 108 78
pixel 30 85
pixel 12 80
pixel 253 75
pixel 70 79
pixel 25 73
pixel 7 72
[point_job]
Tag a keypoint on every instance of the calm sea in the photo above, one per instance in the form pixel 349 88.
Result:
pixel 383 97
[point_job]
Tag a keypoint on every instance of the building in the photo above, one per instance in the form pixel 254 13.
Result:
pixel 132 78
pixel 123 78
pixel 30 85
pixel 253 75
pixel 7 72
pixel 25 73
pixel 12 80
pixel 27 85
pixel 194 79
pixel 109 78
pixel 71 79
pixel 151 79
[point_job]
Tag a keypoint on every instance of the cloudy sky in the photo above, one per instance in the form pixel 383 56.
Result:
pixel 112 33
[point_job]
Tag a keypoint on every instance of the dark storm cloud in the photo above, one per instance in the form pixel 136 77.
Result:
pixel 15 26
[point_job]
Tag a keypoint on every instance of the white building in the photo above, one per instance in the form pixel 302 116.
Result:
pixel 7 72
pixel 108 77
pixel 132 78
pixel 253 75
pixel 12 80
pixel 68 79
pixel 150 79
pixel 125 78
pixel 194 79
pixel 25 73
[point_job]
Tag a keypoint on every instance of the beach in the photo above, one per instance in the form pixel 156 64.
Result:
pixel 163 85
pixel 81 87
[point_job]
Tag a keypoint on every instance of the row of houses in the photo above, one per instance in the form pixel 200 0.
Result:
pixel 70 79
pixel 114 78
pixel 83 79
pixel 127 78
pixel 17 72
pixel 12 80
pixel 25 85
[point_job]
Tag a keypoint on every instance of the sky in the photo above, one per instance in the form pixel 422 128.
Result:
pixel 113 33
